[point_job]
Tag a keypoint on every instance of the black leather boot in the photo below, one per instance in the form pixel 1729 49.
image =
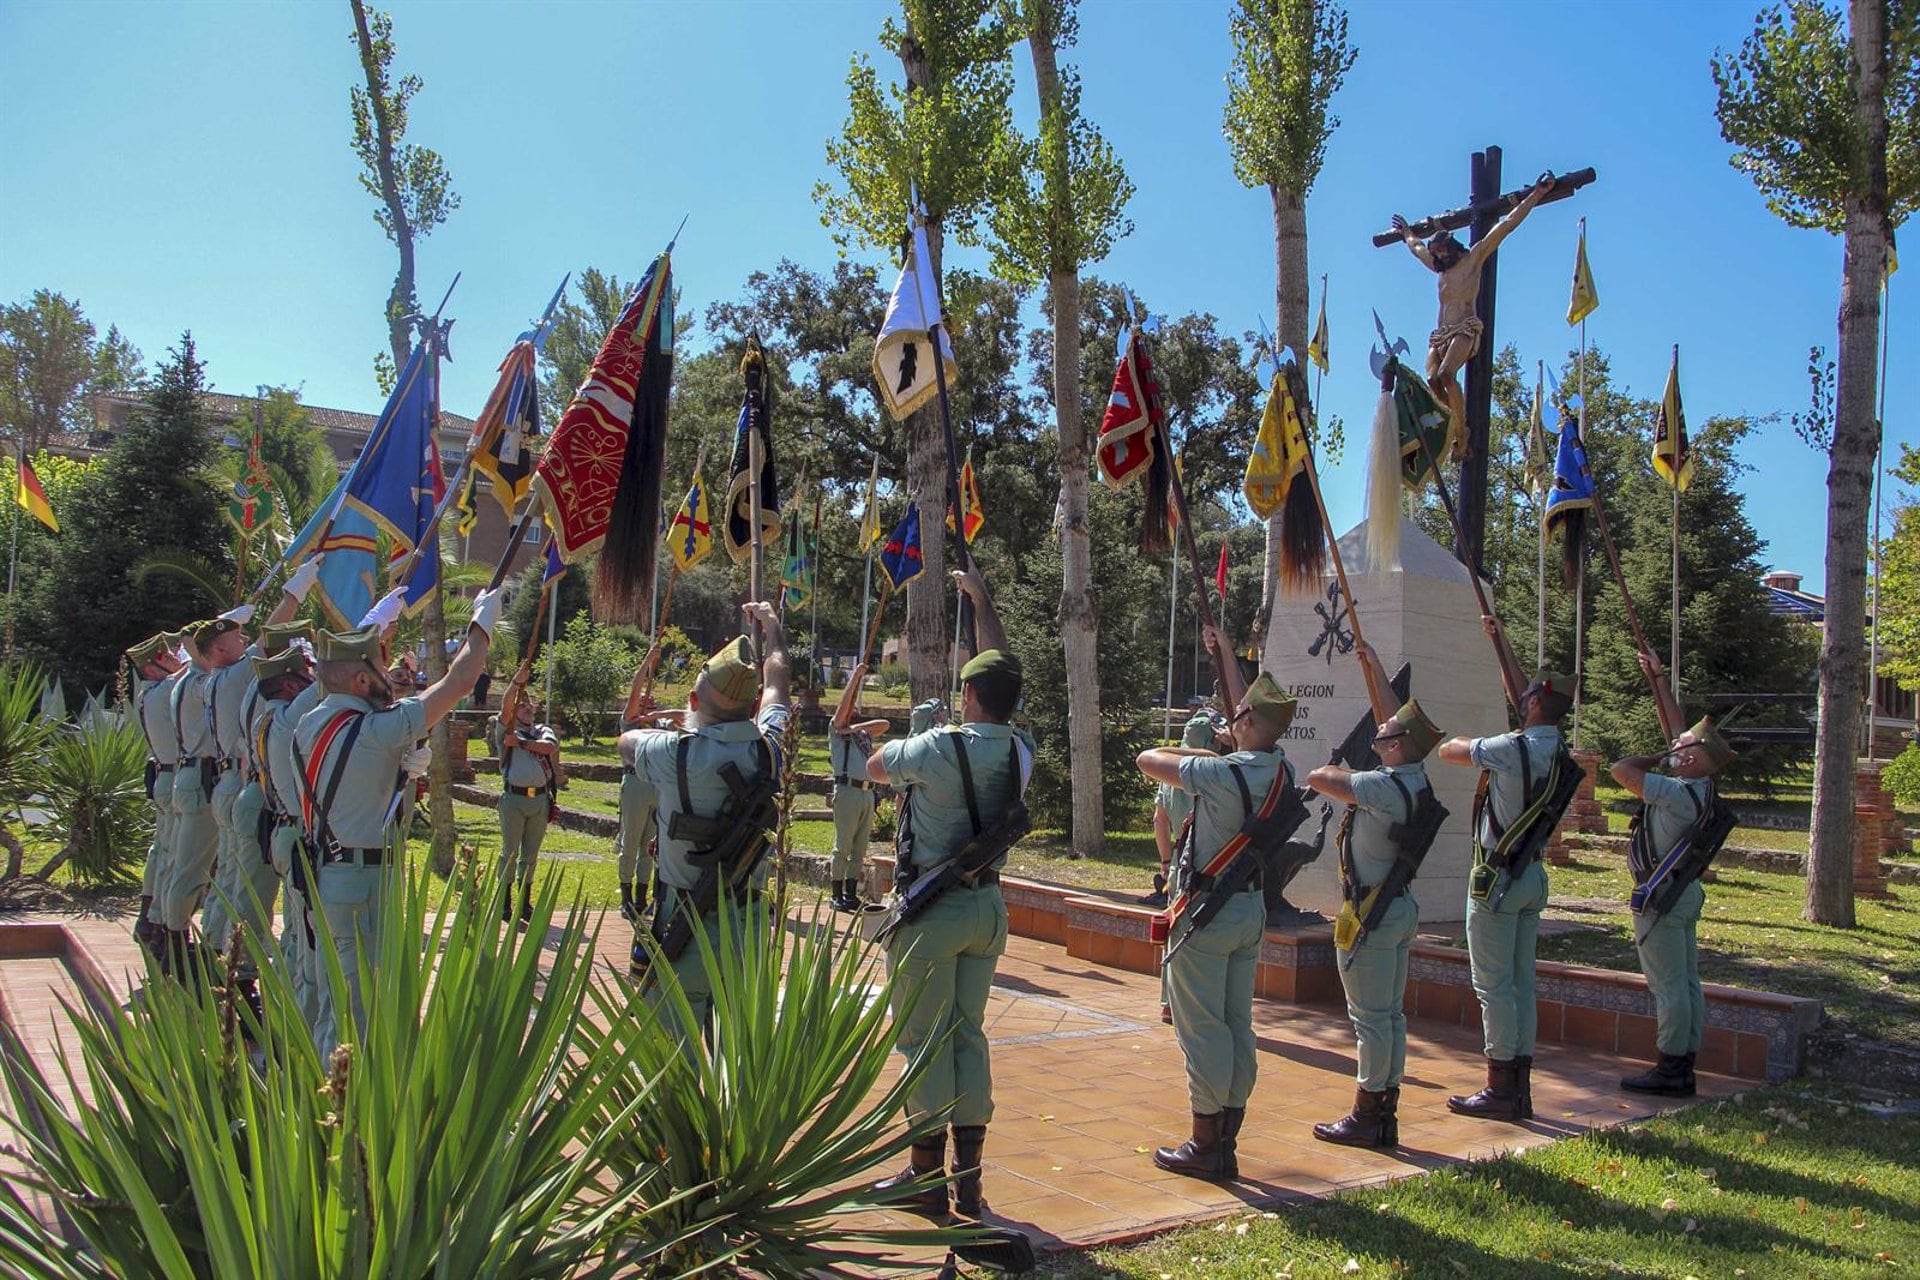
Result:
pixel 1231 1118
pixel 1158 898
pixel 843 899
pixel 1500 1100
pixel 144 928
pixel 1366 1127
pixel 627 909
pixel 928 1155
pixel 506 901
pixel 969 1141
pixel 1200 1156
pixel 1390 1118
pixel 1523 1083
pixel 526 901
pixel 1671 1077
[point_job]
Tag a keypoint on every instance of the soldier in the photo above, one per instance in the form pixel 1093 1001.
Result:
pixel 1502 927
pixel 633 847
pixel 287 692
pixel 957 783
pixel 529 760
pixel 849 743
pixel 156 663
pixel 352 755
pixel 1675 806
pixel 244 883
pixel 1380 803
pixel 735 716
pixel 1209 980
pixel 1172 806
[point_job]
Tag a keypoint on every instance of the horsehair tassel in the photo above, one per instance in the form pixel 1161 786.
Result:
pixel 1383 487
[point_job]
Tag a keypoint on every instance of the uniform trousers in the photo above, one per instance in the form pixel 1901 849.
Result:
pixel 1209 986
pixel 244 881
pixel 1670 957
pixel 852 830
pixel 160 852
pixel 523 825
pixel 298 941
pixel 943 965
pixel 637 824
pixel 1500 950
pixel 196 842
pixel 1375 980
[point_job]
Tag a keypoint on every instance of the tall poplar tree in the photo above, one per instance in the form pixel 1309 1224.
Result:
pixel 1067 215
pixel 947 132
pixel 1823 111
pixel 415 195
pixel 1289 59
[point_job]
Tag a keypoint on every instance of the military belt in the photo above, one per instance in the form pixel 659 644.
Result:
pixel 1201 882
pixel 529 792
pixel 856 783
pixel 361 857
pixel 229 762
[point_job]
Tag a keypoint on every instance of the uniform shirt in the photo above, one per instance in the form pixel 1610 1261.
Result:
pixel 1500 757
pixel 192 728
pixel 635 788
pixel 1673 806
pixel 282 718
pixel 358 816
pixel 156 720
pixel 1178 805
pixel 655 752
pixel 1218 811
pixel 1377 809
pixel 928 764
pixel 847 755
pixel 228 688
pixel 524 768
pixel 253 710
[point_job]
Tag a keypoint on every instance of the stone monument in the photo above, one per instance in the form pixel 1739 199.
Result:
pixel 1424 613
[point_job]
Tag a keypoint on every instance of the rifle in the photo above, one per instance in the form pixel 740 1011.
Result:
pixel 734 840
pixel 988 847
pixel 1412 840
pixel 1263 831
pixel 1685 863
pixel 1492 874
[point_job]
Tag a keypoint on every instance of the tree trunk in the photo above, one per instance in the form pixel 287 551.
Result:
pixel 1290 325
pixel 16 853
pixel 1079 611
pixel 1855 453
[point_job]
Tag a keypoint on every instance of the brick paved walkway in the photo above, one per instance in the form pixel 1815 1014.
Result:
pixel 1088 1081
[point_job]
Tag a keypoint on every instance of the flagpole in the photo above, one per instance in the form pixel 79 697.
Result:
pixel 13 550
pixel 1536 437
pixel 1173 616
pixel 755 548
pixel 1292 373
pixel 553 619
pixel 1879 470
pixel 1673 665
pixel 880 611
pixel 866 581
pixel 813 596
pixel 1580 586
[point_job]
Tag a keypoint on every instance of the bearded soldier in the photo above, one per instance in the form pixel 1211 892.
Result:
pixel 1525 784
pixel 1675 835
pixel 712 782
pixel 1375 933
pixel 849 744
pixel 1220 915
pixel 959 783
pixel 352 755
pixel 156 664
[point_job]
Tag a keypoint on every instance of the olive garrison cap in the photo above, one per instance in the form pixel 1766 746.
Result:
pixel 731 674
pixel 349 646
pixel 275 637
pixel 1547 680
pixel 1266 699
pixel 1201 727
pixel 1710 741
pixel 151 648
pixel 285 663
pixel 1422 734
pixel 993 662
pixel 203 633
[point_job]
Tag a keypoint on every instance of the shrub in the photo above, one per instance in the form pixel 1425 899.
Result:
pixel 1902 777
pixel 591 668
pixel 94 780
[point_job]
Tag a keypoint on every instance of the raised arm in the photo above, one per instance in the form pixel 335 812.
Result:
pixel 986 619
pixel 1512 678
pixel 1417 249
pixel 444 694
pixel 775 674
pixel 1504 228
pixel 1233 685
pixel 1664 704
pixel 1631 773
pixel 843 712
pixel 638 691
pixel 1379 690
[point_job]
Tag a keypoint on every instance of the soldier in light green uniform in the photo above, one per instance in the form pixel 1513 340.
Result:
pixel 1373 971
pixel 944 961
pixel 1172 806
pixel 1668 943
pixel 529 753
pixel 212 645
pixel 736 714
pixel 1501 939
pixel 287 692
pixel 351 754
pixel 1209 980
pixel 632 848
pixel 849 744
pixel 156 665
pixel 244 883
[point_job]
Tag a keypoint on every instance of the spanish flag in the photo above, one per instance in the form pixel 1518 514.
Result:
pixel 1672 455
pixel 1586 299
pixel 33 498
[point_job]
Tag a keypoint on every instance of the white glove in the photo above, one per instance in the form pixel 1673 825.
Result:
pixel 414 763
pixel 386 611
pixel 486 611
pixel 241 613
pixel 303 578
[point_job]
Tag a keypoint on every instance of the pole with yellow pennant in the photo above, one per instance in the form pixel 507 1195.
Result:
pixel 1673 462
pixel 32 499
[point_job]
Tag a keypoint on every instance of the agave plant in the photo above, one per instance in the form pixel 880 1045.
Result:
pixel 759 1146
pixel 95 782
pixel 23 741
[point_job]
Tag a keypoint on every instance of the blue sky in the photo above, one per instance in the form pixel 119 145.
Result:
pixel 187 166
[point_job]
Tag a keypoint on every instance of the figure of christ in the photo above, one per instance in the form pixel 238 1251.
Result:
pixel 1457 335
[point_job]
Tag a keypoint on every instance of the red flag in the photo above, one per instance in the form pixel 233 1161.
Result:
pixel 1129 444
pixel 1220 574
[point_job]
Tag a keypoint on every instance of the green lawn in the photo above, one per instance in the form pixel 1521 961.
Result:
pixel 1752 936
pixel 1792 1181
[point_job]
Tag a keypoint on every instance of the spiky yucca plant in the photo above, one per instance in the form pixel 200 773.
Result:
pixel 95 782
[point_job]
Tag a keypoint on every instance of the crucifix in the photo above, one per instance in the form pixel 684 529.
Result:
pixel 1463 335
